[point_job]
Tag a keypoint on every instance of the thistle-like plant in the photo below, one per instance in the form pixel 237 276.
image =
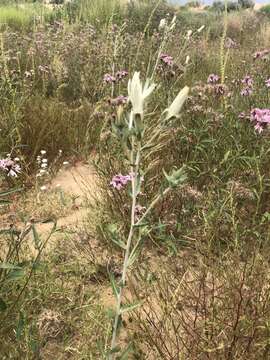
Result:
pixel 131 132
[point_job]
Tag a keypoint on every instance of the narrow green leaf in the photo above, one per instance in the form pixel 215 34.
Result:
pixel 15 274
pixel 6 265
pixel 37 240
pixel 126 352
pixel 20 326
pixel 114 285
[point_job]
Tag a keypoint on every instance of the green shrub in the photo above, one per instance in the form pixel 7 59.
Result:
pixel 265 10
pixel 246 4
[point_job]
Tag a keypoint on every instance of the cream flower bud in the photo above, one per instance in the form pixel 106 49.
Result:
pixel 201 28
pixel 174 109
pixel 189 33
pixel 137 93
pixel 162 24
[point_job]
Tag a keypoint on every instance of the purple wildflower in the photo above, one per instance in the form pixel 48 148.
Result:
pixel 247 91
pixel 10 167
pixel 247 80
pixel 118 181
pixel 121 74
pixel 221 89
pixel 230 43
pixel 107 78
pixel 119 100
pixel 212 79
pixel 139 210
pixel 166 59
pixel 267 83
pixel 260 118
pixel 261 54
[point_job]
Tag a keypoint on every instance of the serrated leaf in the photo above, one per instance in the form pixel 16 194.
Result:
pixel 129 307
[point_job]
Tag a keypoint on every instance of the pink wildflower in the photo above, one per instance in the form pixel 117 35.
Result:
pixel 118 181
pixel 212 79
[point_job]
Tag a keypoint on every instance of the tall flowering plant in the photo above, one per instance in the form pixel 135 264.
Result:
pixel 131 133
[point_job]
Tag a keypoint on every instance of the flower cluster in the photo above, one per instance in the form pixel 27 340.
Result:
pixel 10 167
pixel 119 75
pixel 267 83
pixel 260 118
pixel 247 90
pixel 119 100
pixel 261 54
pixel 42 164
pixel 118 181
pixel 230 43
pixel 213 79
pixel 166 59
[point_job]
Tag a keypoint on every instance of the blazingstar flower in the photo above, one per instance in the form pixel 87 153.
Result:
pixel 260 118
pixel 10 167
pixel 174 109
pixel 119 100
pixel 121 74
pixel 247 91
pixel 267 83
pixel 247 80
pixel 107 78
pixel 212 79
pixel 166 59
pixel 137 93
pixel 118 181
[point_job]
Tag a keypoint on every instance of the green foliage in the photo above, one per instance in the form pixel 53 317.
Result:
pixel 246 4
pixel 265 10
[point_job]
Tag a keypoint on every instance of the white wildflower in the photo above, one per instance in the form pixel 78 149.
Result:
pixel 162 24
pixel 137 93
pixel 174 109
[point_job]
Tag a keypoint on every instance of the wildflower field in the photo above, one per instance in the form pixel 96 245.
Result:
pixel 134 181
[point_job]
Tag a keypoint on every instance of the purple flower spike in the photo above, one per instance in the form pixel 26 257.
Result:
pixel 212 79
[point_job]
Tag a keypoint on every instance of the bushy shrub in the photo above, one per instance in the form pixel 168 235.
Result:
pixel 194 4
pixel 246 4
pixel 265 10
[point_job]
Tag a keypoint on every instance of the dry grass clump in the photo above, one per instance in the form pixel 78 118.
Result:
pixel 202 308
